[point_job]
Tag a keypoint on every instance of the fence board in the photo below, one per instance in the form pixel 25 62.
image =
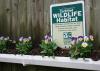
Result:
pixel 32 18
pixel 26 17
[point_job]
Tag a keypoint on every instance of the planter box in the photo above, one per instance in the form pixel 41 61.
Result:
pixel 64 62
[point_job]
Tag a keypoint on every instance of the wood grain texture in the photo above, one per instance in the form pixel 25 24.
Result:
pixel 27 17
pixel 95 21
pixel 32 18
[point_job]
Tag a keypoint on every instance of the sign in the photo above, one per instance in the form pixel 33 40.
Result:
pixel 67 20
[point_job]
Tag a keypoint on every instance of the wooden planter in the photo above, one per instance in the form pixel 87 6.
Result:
pixel 64 62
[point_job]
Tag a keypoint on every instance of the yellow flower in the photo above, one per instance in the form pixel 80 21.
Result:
pixel 84 44
pixel 46 41
pixel 80 39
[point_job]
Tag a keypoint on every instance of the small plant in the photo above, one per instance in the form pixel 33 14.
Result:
pixel 3 42
pixel 48 47
pixel 24 45
pixel 81 46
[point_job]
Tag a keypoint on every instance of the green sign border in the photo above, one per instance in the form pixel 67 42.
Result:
pixel 63 4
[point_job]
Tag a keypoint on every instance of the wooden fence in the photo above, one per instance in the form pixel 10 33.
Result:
pixel 27 17
pixel 24 18
pixel 31 18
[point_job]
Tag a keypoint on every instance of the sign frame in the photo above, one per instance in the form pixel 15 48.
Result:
pixel 69 3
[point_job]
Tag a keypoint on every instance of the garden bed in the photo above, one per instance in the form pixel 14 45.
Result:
pixel 47 53
pixel 64 62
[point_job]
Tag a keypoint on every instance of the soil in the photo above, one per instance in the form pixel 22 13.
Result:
pixel 35 51
pixel 63 52
pixel 95 55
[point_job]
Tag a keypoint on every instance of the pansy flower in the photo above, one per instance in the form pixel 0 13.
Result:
pixel 91 38
pixel 84 44
pixel 73 40
pixel 21 39
pixel 80 38
pixel 86 38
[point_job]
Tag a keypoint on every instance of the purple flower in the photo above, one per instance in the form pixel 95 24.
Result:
pixel 74 38
pixel 21 39
pixel 86 38
pixel 91 38
pixel 80 38
pixel 47 37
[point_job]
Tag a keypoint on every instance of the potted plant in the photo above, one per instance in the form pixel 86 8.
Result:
pixel 48 47
pixel 81 47
pixel 24 45
pixel 3 43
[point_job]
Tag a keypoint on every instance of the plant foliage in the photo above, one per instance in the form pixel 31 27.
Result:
pixel 48 47
pixel 24 45
pixel 3 43
pixel 81 46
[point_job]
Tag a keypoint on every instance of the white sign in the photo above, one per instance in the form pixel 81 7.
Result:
pixel 67 21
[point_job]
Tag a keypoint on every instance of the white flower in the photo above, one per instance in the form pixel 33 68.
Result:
pixel 1 38
pixel 91 38
pixel 25 40
pixel 86 38
pixel 84 44
pixel 29 38
pixel 7 38
pixel 21 39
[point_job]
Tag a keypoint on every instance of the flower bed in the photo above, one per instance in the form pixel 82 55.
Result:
pixel 23 52
pixel 81 47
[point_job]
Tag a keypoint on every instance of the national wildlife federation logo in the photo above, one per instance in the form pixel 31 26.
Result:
pixel 67 38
